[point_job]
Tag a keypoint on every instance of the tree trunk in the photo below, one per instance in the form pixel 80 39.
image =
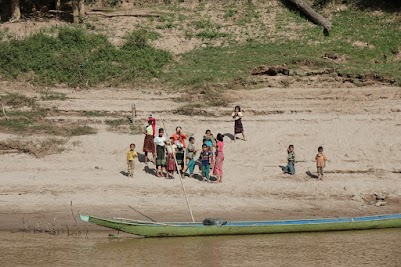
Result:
pixel 75 11
pixel 58 5
pixel 312 14
pixel 81 9
pixel 16 11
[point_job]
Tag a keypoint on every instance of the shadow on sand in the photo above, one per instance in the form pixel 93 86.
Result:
pixel 311 175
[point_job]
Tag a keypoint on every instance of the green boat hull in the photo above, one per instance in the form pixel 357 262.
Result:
pixel 149 229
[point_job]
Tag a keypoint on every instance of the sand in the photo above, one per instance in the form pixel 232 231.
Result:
pixel 359 129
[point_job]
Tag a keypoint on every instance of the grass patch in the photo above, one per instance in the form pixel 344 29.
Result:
pixel 17 100
pixel 94 113
pixel 118 122
pixel 124 126
pixel 19 120
pixel 78 58
pixel 379 60
pixel 48 96
pixel 38 148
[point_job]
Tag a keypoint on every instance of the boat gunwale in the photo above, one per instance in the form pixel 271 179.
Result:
pixel 257 223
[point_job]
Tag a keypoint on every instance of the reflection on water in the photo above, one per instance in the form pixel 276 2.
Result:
pixel 359 248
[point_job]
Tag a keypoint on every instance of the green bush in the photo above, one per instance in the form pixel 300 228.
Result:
pixel 79 58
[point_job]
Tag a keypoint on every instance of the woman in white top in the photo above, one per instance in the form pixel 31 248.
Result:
pixel 238 128
pixel 148 143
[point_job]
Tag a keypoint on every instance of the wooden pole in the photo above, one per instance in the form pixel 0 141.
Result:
pixel 81 7
pixel 16 10
pixel 58 5
pixel 182 184
pixel 141 213
pixel 312 14
pixel 75 11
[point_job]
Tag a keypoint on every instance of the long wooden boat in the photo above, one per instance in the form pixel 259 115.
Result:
pixel 170 229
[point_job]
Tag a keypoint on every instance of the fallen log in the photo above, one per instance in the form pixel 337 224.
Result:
pixel 270 70
pixel 2 152
pixel 313 15
pixel 91 13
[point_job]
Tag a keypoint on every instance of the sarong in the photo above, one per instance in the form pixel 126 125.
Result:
pixel 170 162
pixel 179 156
pixel 161 156
pixel 218 164
pixel 149 144
pixel 238 128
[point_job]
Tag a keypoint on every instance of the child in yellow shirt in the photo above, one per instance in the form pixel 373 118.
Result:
pixel 131 155
pixel 320 162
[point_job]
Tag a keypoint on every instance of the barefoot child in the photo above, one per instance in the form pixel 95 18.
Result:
pixel 205 157
pixel 290 168
pixel 160 142
pixel 131 155
pixel 320 162
pixel 210 142
pixel 191 152
pixel 238 128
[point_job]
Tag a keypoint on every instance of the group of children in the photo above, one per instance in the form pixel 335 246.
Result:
pixel 174 155
pixel 320 159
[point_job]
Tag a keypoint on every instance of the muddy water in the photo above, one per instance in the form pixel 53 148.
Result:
pixel 361 248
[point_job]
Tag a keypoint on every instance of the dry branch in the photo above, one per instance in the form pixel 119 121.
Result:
pixel 4 112
pixel 91 13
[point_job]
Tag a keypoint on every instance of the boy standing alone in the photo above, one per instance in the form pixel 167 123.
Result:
pixel 320 162
pixel 131 155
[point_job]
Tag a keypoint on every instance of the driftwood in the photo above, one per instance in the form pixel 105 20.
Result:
pixel 270 70
pixel 8 151
pixel 4 112
pixel 313 15
pixel 90 13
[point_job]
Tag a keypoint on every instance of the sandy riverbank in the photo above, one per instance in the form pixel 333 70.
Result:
pixel 358 127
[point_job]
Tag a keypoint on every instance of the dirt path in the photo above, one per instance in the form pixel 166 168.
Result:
pixel 359 129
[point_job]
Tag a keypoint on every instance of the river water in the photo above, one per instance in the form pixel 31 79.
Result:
pixel 359 248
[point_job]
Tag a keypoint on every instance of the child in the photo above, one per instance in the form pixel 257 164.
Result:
pixel 191 152
pixel 131 155
pixel 218 165
pixel 205 157
pixel 208 140
pixel 290 168
pixel 160 142
pixel 148 143
pixel 171 166
pixel 320 163
pixel 238 128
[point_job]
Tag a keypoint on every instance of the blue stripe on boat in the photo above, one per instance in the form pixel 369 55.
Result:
pixel 294 222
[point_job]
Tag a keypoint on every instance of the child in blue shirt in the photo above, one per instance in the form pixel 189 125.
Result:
pixel 205 158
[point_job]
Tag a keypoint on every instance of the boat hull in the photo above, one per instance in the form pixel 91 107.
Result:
pixel 149 229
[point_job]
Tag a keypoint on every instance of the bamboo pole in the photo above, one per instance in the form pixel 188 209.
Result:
pixel 182 184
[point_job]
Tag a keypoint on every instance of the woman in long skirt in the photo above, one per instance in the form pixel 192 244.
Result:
pixel 160 142
pixel 171 166
pixel 148 143
pixel 238 127
pixel 218 165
